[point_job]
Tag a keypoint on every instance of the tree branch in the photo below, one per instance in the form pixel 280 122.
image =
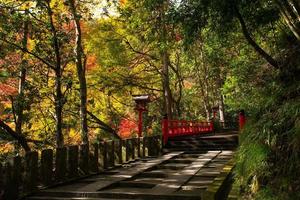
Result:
pixel 29 52
pixel 103 125
pixel 248 37
pixel 20 138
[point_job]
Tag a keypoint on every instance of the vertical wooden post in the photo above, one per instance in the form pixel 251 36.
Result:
pixel 127 146
pixel 145 150
pixel 153 146
pixel 9 187
pixel 16 173
pixel 242 119
pixel 103 154
pixel 150 146
pixel 138 146
pixel 158 145
pixel 73 161
pixel 46 167
pixel 140 126
pixel 1 180
pixel 84 158
pixel 12 179
pixel 112 154
pixel 119 151
pixel 133 148
pixel 95 159
pixel 31 171
pixel 60 164
pixel 211 126
pixel 165 130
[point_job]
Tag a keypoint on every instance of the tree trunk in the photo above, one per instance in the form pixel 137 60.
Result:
pixel 289 16
pixel 58 75
pixel 221 109
pixel 80 65
pixel 165 66
pixel 166 86
pixel 58 109
pixel 22 78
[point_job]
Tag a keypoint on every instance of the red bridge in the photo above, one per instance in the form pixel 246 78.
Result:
pixel 175 128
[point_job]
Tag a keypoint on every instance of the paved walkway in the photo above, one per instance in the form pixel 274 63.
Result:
pixel 175 175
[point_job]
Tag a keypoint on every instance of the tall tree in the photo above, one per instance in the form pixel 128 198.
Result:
pixel 81 70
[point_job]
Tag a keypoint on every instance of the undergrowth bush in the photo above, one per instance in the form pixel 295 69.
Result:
pixel 268 159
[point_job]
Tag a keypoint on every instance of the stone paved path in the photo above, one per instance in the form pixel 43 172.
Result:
pixel 175 175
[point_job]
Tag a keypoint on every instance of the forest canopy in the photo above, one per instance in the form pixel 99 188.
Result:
pixel 69 70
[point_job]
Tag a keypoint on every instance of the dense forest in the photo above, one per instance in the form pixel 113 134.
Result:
pixel 69 68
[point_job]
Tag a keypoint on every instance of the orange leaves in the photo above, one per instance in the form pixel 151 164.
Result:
pixel 127 128
pixel 91 62
pixel 7 90
pixel 123 2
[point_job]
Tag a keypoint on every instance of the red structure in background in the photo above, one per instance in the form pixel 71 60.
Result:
pixel 174 128
pixel 215 110
pixel 242 119
pixel 141 103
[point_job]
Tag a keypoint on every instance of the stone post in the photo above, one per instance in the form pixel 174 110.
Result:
pixel 73 158
pixel 46 167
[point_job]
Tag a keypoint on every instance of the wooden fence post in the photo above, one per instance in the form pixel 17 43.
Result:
pixel 133 148
pixel 165 130
pixel 149 146
pixel 12 179
pixel 46 172
pixel 9 188
pixel 95 159
pixel 152 145
pixel 128 150
pixel 103 155
pixel 112 153
pixel 84 158
pixel 1 181
pixel 145 150
pixel 60 164
pixel 72 161
pixel 159 145
pixel 138 146
pixel 17 173
pixel 119 151
pixel 31 171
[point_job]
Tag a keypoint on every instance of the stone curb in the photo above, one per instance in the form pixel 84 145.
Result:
pixel 234 193
pixel 221 185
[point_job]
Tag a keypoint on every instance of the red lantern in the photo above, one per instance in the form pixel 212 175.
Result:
pixel 141 106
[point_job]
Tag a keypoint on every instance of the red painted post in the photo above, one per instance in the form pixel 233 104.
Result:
pixel 140 126
pixel 242 119
pixel 165 130
pixel 211 126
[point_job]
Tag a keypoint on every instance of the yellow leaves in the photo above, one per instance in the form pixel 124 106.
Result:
pixel 6 148
pixel 30 45
pixel 73 137
pixel 28 5
pixel 57 4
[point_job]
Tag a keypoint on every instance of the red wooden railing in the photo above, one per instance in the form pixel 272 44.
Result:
pixel 174 128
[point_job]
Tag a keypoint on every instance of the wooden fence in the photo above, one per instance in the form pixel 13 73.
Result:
pixel 21 176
